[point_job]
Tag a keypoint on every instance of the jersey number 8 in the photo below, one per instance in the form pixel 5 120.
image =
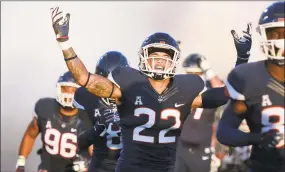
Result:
pixel 114 135
pixel 268 122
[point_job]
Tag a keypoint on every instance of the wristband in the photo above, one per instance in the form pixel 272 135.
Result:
pixel 65 45
pixel 21 161
pixel 209 74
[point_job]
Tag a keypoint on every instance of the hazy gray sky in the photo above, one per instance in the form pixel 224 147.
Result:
pixel 31 60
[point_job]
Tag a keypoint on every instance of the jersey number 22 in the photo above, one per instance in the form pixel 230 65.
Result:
pixel 164 115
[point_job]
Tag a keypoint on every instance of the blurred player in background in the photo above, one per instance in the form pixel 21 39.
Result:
pixel 257 95
pixel 56 120
pixel 106 149
pixel 195 146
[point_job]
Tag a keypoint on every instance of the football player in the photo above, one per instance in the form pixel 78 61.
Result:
pixel 194 146
pixel 56 120
pixel 257 95
pixel 106 150
pixel 195 149
pixel 152 102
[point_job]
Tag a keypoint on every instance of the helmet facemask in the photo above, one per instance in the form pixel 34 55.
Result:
pixel 149 68
pixel 65 99
pixel 273 48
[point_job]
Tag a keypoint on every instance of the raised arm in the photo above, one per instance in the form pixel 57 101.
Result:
pixel 96 84
pixel 216 97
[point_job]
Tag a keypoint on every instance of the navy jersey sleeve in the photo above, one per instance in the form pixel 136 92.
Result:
pixel 228 132
pixel 124 77
pixel 36 109
pixel 36 112
pixel 193 84
pixel 235 83
pixel 199 85
pixel 42 107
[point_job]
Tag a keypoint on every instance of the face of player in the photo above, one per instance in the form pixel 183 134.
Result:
pixel 276 33
pixel 159 61
pixel 68 90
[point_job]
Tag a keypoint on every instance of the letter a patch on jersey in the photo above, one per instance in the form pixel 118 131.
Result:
pixel 97 113
pixel 266 100
pixel 138 100
pixel 48 125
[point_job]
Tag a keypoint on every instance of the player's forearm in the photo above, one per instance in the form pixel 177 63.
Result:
pixel 242 58
pixel 29 138
pixel 75 66
pixel 234 137
pixel 26 145
pixel 216 82
pixel 228 132
pixel 96 84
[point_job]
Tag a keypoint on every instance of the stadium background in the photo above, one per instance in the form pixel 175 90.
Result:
pixel 31 60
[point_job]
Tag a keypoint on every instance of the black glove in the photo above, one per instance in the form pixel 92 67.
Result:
pixel 271 139
pixel 60 24
pixel 243 43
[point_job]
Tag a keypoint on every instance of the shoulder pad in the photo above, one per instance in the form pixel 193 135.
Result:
pixel 241 80
pixel 124 77
pixel 190 83
pixel 45 106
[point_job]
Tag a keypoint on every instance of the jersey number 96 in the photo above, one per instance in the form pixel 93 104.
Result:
pixel 57 143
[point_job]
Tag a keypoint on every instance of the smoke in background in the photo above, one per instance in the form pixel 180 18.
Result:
pixel 32 61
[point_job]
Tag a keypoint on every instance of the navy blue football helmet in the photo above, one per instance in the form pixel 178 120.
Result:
pixel 272 17
pixel 107 63
pixel 65 99
pixel 159 42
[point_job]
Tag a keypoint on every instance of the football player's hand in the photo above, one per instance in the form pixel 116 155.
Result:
pixel 202 62
pixel 205 66
pixel 60 24
pixel 243 42
pixel 20 169
pixel 20 165
pixel 271 139
pixel 80 164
